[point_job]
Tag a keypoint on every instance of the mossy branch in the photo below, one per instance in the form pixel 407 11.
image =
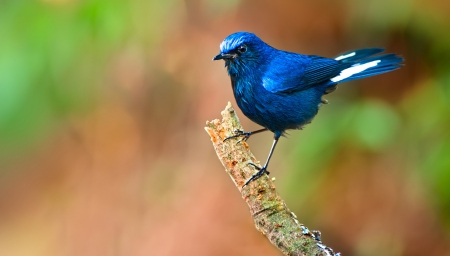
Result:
pixel 271 215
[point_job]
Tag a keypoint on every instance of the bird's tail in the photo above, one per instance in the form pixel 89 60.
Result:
pixel 365 63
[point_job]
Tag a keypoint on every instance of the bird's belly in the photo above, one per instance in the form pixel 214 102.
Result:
pixel 280 112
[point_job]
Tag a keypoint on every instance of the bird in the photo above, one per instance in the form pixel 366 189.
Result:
pixel 282 90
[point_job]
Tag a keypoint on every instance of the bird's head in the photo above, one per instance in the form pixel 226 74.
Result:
pixel 241 49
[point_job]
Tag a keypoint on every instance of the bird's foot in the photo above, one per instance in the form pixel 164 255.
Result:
pixel 261 171
pixel 239 133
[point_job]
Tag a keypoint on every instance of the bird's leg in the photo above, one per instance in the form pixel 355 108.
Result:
pixel 246 135
pixel 262 170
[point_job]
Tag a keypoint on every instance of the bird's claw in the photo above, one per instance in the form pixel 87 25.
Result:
pixel 239 133
pixel 261 171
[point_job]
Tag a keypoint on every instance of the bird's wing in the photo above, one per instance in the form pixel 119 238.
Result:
pixel 296 72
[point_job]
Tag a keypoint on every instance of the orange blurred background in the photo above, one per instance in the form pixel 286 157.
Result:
pixel 103 152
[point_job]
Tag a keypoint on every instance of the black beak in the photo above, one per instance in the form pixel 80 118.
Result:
pixel 223 56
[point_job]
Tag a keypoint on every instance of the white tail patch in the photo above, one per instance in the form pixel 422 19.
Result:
pixel 345 56
pixel 355 69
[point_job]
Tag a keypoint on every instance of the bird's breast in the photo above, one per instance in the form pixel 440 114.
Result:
pixel 252 99
pixel 243 93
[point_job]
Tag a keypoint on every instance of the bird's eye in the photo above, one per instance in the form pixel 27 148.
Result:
pixel 242 48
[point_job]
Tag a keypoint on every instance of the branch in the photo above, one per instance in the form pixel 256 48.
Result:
pixel 270 213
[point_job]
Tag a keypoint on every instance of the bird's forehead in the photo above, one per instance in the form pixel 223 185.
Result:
pixel 230 44
pixel 236 39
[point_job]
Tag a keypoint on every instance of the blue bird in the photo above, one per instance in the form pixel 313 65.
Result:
pixel 282 90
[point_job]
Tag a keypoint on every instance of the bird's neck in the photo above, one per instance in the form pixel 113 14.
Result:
pixel 242 77
pixel 244 86
pixel 246 76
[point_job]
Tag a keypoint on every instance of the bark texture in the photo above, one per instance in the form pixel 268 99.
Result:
pixel 271 215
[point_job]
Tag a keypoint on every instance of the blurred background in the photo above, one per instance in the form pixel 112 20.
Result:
pixel 103 152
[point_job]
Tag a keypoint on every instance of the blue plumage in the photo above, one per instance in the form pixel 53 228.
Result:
pixel 282 90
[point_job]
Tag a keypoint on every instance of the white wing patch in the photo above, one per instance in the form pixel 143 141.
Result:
pixel 345 56
pixel 355 69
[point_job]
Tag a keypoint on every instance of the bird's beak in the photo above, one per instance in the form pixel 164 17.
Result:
pixel 222 56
